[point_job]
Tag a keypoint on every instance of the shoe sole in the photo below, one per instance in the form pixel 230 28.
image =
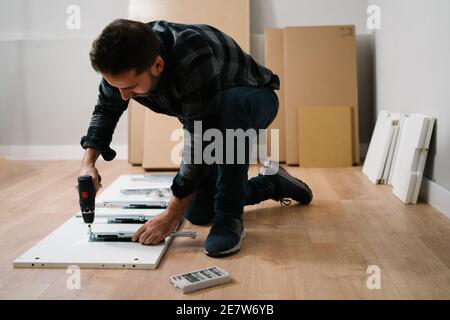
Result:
pixel 228 252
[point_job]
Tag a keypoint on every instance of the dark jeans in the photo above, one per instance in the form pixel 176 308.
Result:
pixel 226 189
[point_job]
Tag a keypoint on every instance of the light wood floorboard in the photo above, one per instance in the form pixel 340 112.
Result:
pixel 319 251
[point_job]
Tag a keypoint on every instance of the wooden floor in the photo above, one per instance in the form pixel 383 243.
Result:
pixel 321 251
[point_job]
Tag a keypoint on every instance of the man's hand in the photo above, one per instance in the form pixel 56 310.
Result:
pixel 88 167
pixel 161 225
pixel 93 172
pixel 156 229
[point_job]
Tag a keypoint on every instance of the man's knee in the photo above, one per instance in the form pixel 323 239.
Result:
pixel 232 109
pixel 201 210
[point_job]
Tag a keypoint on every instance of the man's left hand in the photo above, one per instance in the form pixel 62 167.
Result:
pixel 156 229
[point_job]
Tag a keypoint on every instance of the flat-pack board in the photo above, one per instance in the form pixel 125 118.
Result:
pixel 413 145
pixel 69 245
pixel 274 60
pixel 163 141
pixel 319 69
pixel 109 212
pixel 124 215
pixel 136 126
pixel 72 244
pixel 325 136
pixel 380 154
pixel 138 190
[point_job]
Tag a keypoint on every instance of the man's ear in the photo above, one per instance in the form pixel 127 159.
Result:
pixel 157 66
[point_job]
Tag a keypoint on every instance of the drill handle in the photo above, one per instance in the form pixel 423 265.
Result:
pixel 86 191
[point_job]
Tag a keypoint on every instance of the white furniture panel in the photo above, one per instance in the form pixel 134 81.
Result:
pixel 69 245
pixel 412 152
pixel 382 145
pixel 114 195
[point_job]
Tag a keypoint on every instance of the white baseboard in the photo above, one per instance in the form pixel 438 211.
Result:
pixel 436 196
pixel 52 152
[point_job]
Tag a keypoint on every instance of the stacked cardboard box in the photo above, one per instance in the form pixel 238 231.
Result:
pixel 319 65
pixel 274 56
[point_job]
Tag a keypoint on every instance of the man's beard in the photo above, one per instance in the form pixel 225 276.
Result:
pixel 154 81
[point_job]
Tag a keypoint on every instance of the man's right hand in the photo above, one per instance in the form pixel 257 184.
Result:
pixel 88 167
pixel 93 172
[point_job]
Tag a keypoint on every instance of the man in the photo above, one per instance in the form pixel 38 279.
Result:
pixel 195 73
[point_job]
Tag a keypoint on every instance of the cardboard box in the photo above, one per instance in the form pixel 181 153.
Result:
pixel 136 123
pixel 274 56
pixel 231 17
pixel 325 136
pixel 158 145
pixel 320 69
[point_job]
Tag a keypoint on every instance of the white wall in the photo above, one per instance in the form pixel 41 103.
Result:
pixel 413 71
pixel 48 89
pixel 283 13
pixel 47 86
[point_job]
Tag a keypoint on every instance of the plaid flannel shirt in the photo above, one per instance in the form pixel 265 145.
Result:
pixel 200 62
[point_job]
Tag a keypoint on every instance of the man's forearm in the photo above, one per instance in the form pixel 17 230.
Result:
pixel 177 207
pixel 90 157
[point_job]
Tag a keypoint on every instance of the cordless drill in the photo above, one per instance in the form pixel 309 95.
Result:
pixel 86 191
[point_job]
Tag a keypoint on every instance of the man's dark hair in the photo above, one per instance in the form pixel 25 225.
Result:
pixel 124 45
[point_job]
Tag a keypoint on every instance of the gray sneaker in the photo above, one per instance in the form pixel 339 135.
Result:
pixel 286 186
pixel 225 236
